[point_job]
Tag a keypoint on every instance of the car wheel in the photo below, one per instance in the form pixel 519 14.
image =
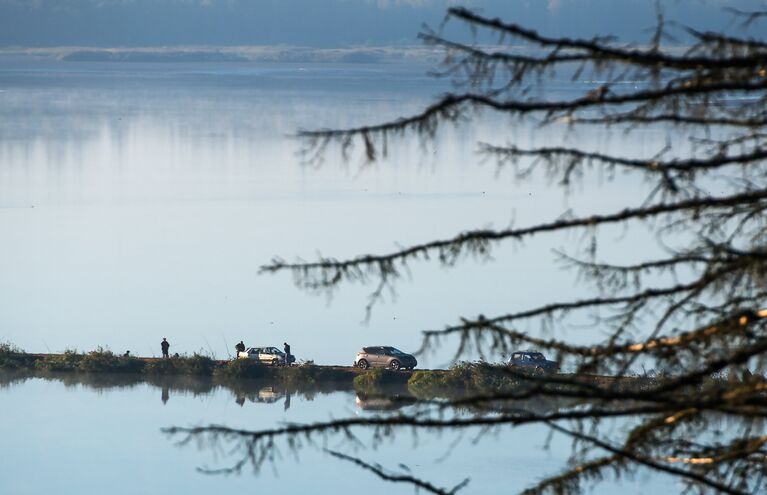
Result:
pixel 275 362
pixel 363 364
pixel 395 365
pixel 539 370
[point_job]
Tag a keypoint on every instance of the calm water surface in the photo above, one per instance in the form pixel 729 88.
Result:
pixel 81 435
pixel 139 201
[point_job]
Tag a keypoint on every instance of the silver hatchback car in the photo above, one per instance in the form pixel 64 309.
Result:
pixel 264 355
pixel 384 357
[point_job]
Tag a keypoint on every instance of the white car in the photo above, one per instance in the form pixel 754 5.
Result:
pixel 264 355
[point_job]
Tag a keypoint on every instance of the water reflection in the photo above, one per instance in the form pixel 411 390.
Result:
pixel 83 420
pixel 157 182
pixel 269 394
pixel 386 402
pixel 244 391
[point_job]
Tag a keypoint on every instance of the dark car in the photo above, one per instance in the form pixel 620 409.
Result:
pixel 384 357
pixel 533 361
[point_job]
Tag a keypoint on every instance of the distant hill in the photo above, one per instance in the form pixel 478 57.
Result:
pixel 364 55
pixel 144 56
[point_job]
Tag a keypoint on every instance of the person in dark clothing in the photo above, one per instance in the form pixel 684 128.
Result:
pixel 165 345
pixel 127 354
pixel 288 356
pixel 239 348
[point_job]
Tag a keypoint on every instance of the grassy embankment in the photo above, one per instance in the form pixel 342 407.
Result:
pixel 460 380
pixel 104 361
pixel 478 378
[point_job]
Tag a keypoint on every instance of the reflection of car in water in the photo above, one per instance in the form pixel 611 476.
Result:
pixel 264 355
pixel 384 357
pixel 264 395
pixel 269 395
pixel 383 403
pixel 533 361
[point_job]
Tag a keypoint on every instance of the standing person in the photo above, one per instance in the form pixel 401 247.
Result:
pixel 165 345
pixel 239 348
pixel 287 353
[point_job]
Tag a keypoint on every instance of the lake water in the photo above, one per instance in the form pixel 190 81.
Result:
pixel 138 201
pixel 74 435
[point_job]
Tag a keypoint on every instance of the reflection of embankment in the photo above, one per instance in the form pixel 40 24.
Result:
pixel 107 381
pixel 377 390
pixel 257 391
pixel 381 398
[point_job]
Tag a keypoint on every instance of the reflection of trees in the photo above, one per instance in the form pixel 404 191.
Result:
pixel 692 305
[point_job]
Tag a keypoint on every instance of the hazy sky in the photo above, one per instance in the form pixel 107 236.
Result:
pixel 320 23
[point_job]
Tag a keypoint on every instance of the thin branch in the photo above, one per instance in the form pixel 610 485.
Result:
pixel 450 248
pixel 633 456
pixel 601 51
pixel 397 478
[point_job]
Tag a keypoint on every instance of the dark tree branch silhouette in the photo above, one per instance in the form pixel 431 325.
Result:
pixel 697 313
pixel 397 478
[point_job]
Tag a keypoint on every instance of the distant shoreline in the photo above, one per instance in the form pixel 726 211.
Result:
pixel 265 54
